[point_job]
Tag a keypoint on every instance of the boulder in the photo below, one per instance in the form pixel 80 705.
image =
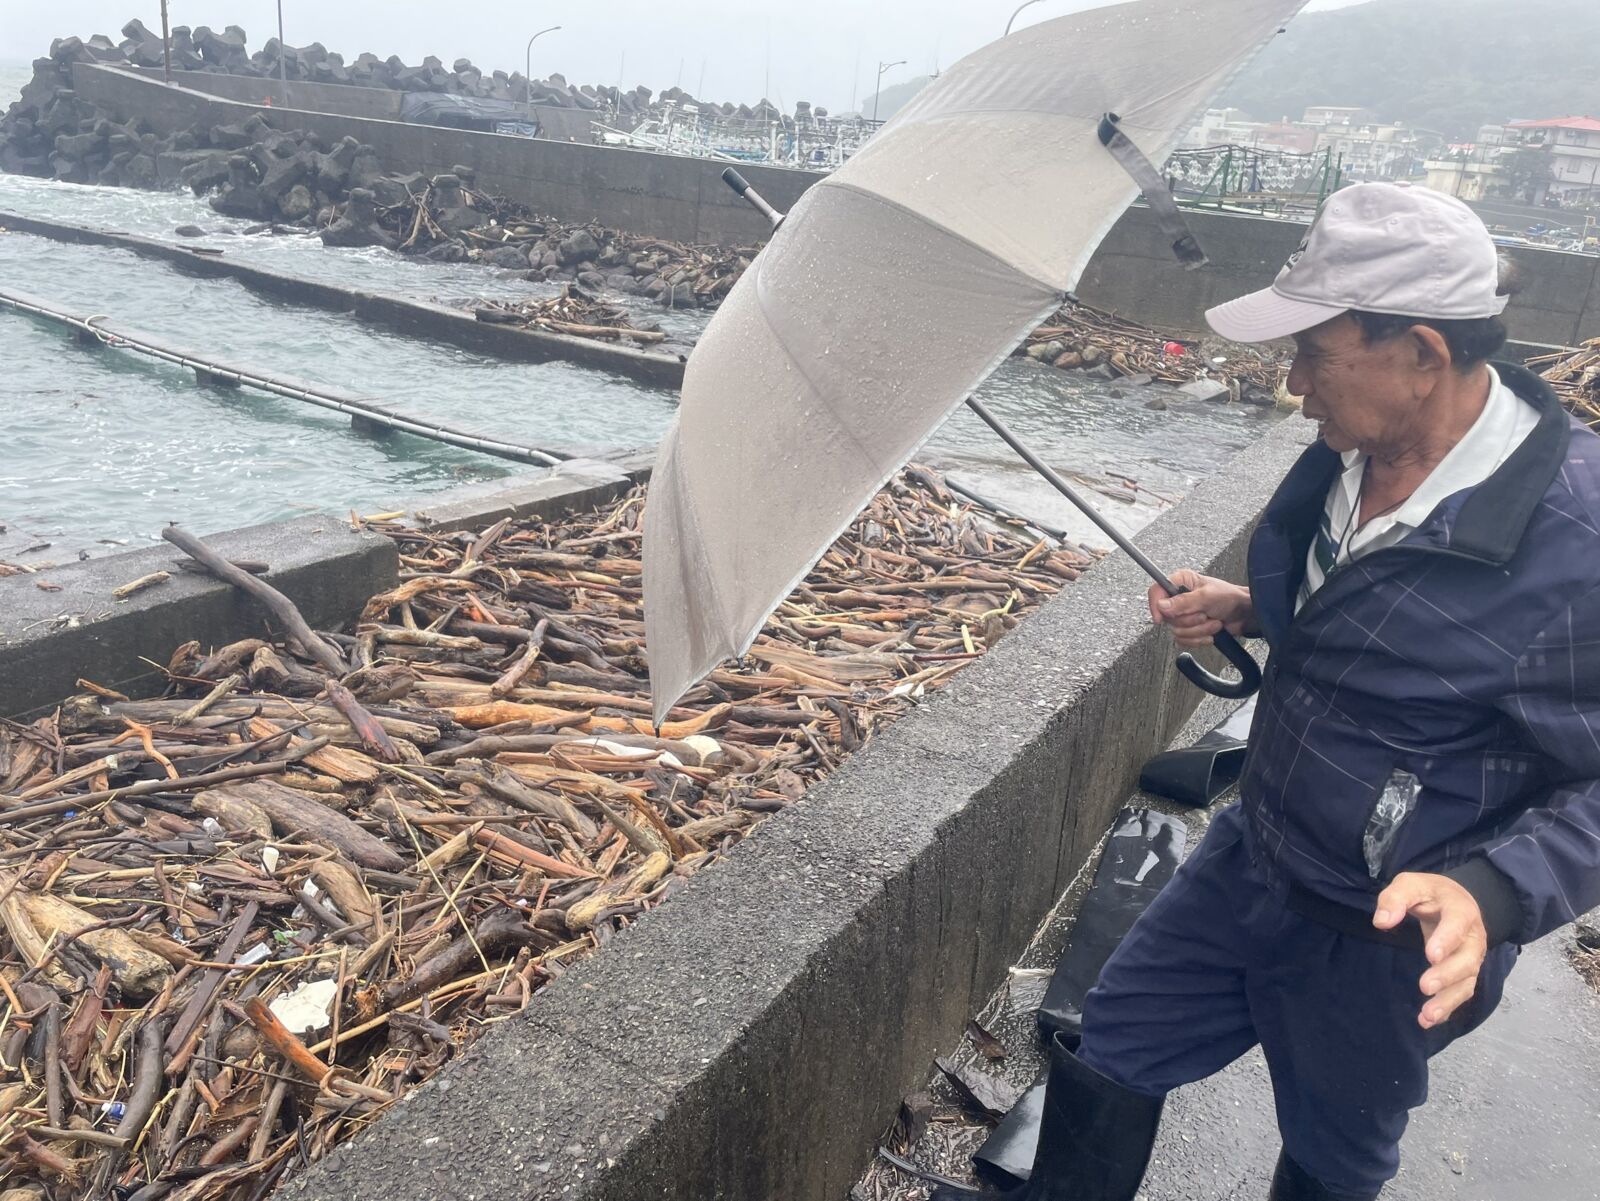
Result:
pixel 111 173
pixel 452 212
pixel 390 191
pixel 1205 389
pixel 578 246
pixel 593 280
pixel 61 114
pixel 239 196
pixel 359 224
pixel 225 50
pixel 296 203
pixel 78 145
pixel 135 31
pixel 207 174
pixel 171 164
pixel 147 54
pixel 509 258
pixel 103 49
pixel 332 170
pixel 446 252
pixel 237 137
pixel 285 174
pixel 139 172
pixel 189 231
pixel 365 168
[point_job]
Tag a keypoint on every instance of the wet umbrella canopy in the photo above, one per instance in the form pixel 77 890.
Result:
pixel 893 289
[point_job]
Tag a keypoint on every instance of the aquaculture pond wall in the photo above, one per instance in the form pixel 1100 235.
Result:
pixel 416 318
pixel 750 1039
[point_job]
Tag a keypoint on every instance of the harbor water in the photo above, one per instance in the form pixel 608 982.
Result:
pixel 102 448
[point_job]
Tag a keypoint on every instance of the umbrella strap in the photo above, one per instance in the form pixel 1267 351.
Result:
pixel 1156 193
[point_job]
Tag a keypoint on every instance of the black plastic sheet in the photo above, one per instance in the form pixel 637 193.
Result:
pixel 1197 775
pixel 1142 854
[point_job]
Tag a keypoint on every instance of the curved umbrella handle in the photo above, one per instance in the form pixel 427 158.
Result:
pixel 1248 683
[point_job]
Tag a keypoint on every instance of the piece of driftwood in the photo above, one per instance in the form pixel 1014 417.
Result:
pixel 276 603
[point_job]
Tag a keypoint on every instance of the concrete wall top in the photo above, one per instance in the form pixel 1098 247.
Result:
pixel 1134 273
pixel 48 639
pixel 662 195
pixel 346 99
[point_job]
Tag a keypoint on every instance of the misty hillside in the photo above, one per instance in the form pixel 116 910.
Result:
pixel 1449 65
pixel 895 97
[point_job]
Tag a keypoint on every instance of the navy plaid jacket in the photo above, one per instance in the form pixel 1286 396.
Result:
pixel 1467 655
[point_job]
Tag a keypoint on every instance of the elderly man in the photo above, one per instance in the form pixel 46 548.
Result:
pixel 1422 794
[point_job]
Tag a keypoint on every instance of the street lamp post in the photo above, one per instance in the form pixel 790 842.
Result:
pixel 527 69
pixel 283 68
pixel 882 67
pixel 1015 15
pixel 166 43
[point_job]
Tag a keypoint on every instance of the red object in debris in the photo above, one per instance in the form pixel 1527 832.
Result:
pixel 1174 350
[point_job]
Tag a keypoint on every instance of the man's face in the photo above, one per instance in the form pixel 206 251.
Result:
pixel 1365 397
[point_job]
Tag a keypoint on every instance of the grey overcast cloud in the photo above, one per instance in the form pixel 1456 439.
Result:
pixel 824 51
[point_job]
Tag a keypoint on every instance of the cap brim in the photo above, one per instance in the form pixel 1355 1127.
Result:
pixel 1267 314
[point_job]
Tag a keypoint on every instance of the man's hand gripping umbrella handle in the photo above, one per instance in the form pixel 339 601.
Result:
pixel 1249 681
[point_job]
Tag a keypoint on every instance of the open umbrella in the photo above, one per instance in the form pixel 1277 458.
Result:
pixel 895 287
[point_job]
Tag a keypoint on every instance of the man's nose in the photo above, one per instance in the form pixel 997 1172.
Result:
pixel 1299 381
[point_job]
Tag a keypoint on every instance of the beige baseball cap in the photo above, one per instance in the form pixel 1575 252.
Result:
pixel 1381 248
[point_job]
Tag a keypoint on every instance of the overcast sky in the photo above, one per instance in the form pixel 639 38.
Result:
pixel 794 51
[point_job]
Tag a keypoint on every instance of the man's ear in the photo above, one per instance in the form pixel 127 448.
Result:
pixel 1430 348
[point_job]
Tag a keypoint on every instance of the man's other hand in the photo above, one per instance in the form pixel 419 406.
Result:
pixel 1209 607
pixel 1457 942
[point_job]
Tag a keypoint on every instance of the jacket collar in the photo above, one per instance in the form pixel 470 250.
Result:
pixel 1485 523
pixel 1491 520
pixel 1488 521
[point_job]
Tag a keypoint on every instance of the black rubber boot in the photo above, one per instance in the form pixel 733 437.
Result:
pixel 1094 1141
pixel 1291 1182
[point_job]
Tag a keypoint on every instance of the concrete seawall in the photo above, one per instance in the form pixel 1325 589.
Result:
pixel 1133 273
pixel 351 100
pixel 665 196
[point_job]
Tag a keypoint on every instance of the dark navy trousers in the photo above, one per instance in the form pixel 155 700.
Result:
pixel 1218 964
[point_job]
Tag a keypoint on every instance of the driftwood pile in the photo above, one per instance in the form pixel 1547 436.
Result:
pixel 574 312
pixel 1082 337
pixel 242 918
pixel 447 219
pixel 1575 376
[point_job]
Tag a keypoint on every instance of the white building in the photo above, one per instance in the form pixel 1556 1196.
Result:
pixel 1573 145
pixel 1468 172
